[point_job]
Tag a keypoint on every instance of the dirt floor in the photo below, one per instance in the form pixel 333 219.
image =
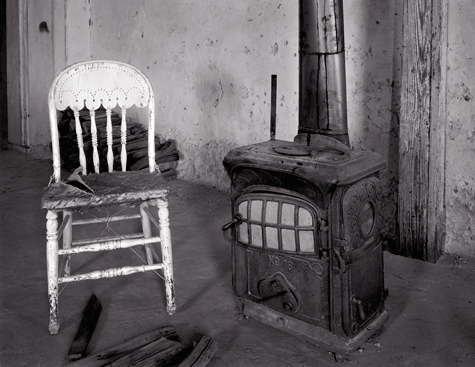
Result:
pixel 432 314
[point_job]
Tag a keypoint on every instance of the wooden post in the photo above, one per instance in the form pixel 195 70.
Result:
pixel 422 130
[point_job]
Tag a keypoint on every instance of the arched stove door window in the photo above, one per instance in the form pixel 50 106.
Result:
pixel 278 222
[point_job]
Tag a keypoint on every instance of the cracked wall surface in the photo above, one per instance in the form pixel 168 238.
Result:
pixel 460 148
pixel 211 65
pixel 373 33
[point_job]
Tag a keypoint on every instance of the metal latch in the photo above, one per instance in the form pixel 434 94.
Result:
pixel 237 219
pixel 341 265
pixel 359 306
pixel 322 225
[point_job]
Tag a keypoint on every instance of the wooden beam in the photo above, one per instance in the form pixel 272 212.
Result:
pixel 422 130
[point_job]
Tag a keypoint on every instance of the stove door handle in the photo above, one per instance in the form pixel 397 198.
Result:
pixel 236 221
pixel 341 267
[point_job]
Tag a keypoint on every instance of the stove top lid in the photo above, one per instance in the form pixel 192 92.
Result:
pixel 322 161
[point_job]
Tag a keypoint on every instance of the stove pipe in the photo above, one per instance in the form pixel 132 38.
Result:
pixel 322 80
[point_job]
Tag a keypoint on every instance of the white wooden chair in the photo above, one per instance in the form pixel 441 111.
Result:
pixel 112 85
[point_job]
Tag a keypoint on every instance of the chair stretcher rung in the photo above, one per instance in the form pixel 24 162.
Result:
pixel 106 220
pixel 88 241
pixel 108 245
pixel 110 273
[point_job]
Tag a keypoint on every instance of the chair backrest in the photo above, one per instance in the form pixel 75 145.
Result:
pixel 93 84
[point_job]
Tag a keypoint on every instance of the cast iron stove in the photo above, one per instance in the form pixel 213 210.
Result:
pixel 306 229
pixel 306 247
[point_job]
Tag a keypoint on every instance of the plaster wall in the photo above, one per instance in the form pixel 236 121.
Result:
pixel 373 36
pixel 460 145
pixel 211 65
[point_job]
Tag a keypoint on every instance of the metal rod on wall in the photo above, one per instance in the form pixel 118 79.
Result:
pixel 273 106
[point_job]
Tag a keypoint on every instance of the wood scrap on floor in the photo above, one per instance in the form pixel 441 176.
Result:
pixel 201 354
pixel 161 352
pixel 157 348
pixel 86 328
pixel 118 351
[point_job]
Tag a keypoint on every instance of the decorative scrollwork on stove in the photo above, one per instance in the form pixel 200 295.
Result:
pixel 245 177
pixel 315 265
pixel 361 212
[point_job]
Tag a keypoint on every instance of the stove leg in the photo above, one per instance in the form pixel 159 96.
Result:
pixel 240 310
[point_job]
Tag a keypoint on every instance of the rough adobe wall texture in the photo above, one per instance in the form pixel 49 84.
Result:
pixel 373 46
pixel 211 65
pixel 460 153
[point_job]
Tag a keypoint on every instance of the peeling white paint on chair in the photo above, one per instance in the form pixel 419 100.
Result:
pixel 107 84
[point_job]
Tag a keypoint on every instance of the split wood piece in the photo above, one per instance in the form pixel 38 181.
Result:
pixel 201 354
pixel 165 153
pixel 131 137
pixel 114 353
pixel 86 328
pixel 137 144
pixel 158 353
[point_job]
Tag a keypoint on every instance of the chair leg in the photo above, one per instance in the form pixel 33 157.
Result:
pixel 52 269
pixel 166 246
pixel 147 231
pixel 67 241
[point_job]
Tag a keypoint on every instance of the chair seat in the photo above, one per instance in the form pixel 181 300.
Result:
pixel 109 189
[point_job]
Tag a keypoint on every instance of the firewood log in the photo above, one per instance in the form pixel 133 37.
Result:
pixel 201 354
pixel 162 350
pixel 118 351
pixel 86 328
pixel 166 153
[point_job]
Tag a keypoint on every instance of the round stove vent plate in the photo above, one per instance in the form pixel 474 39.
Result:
pixel 293 150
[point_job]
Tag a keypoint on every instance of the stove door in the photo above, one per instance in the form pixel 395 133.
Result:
pixel 363 281
pixel 277 256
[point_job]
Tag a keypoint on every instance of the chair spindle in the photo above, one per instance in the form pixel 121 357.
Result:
pixel 123 140
pixel 110 155
pixel 95 154
pixel 82 156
